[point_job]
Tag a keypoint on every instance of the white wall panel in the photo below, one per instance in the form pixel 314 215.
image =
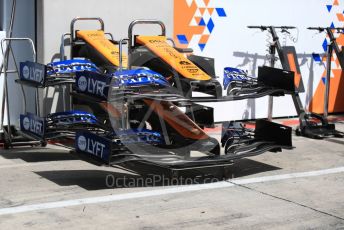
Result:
pixel 56 17
pixel 231 43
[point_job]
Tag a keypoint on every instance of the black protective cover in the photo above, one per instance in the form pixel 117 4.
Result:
pixel 278 78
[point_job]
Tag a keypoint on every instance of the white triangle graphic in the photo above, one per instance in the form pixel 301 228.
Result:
pixel 200 3
pixel 189 2
pixel 193 22
pixel 198 13
pixel 206 31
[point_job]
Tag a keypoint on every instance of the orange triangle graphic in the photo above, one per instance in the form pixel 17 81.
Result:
pixel 198 19
pixel 340 17
pixel 202 10
pixel 340 40
pixel 206 2
pixel 211 10
pixel 204 39
pixel 335 3
pixel 337 62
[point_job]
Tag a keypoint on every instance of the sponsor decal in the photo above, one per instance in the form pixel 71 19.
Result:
pixel 71 66
pixel 33 72
pixel 93 83
pixel 139 77
pixel 91 144
pixel 32 124
pixel 184 63
pixel 26 72
pixel 233 74
pixel 192 70
pixel 156 41
pixel 93 35
pixel 82 143
pixel 26 123
pixel 96 87
pixel 133 136
pixel 82 83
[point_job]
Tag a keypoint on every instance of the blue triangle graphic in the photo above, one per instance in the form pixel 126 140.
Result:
pixel 210 25
pixel 202 22
pixel 329 8
pixel 182 39
pixel 201 46
pixel 324 45
pixel 332 25
pixel 316 57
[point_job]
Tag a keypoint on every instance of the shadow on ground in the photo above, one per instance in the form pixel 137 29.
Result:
pixel 336 141
pixel 247 167
pixel 89 179
pixel 37 154
pixel 102 179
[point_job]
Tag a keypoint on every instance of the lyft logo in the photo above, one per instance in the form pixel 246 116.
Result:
pixel 33 125
pixel 91 146
pixel 91 86
pixel 32 73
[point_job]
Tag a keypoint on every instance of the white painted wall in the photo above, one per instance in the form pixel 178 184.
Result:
pixel 54 19
pixel 117 15
pixel 24 26
pixel 231 36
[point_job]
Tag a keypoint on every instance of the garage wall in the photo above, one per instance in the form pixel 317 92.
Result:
pixel 117 15
pixel 24 26
pixel 54 19
pixel 218 29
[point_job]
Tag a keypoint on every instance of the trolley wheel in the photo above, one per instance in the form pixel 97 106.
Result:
pixel 44 144
pixel 298 132
pixel 6 145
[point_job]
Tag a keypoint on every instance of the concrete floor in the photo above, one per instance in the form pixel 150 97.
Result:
pixel 49 189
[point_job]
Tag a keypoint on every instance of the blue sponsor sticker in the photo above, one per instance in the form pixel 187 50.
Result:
pixel 33 72
pixel 139 77
pixel 93 145
pixel 71 66
pixel 133 136
pixel 93 83
pixel 233 74
pixel 32 124
pixel 73 117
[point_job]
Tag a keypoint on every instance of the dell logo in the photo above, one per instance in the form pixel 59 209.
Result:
pixel 82 143
pixel 26 72
pixel 82 84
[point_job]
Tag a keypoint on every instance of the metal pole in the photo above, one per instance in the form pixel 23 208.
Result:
pixel 131 37
pixel 328 79
pixel 63 44
pixel 21 86
pixel 121 43
pixel 4 66
pixel 271 98
pixel 72 24
pixel 8 40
